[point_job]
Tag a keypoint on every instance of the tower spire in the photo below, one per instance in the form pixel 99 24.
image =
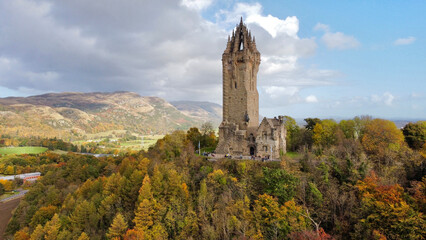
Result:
pixel 240 65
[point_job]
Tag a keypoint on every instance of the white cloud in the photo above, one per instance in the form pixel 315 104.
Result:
pixel 77 45
pixel 196 4
pixel 311 99
pixel 415 95
pixel 281 76
pixel 252 14
pixel 339 41
pixel 276 92
pixel 387 98
pixel 275 26
pixel 404 41
pixel 277 64
pixel 336 40
pixel 321 26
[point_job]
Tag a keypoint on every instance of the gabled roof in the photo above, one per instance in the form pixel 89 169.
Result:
pixel 272 122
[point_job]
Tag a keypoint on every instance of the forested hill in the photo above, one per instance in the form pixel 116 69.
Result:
pixel 336 186
pixel 78 114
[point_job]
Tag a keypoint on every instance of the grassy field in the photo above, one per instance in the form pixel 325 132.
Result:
pixel 292 154
pixel 22 150
pixel 207 149
pixel 57 151
pixel 104 134
pixel 137 144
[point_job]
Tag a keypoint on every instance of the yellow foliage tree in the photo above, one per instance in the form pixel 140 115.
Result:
pixel 22 234
pixel 118 227
pixel 324 133
pixel 51 229
pixel 381 137
pixel 8 185
pixel 38 233
pixel 83 236
pixel 144 218
pixel 10 170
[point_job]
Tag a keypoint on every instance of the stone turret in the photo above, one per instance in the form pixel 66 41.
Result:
pixel 239 132
pixel 240 62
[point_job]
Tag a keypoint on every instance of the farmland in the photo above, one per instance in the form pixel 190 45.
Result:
pixel 22 150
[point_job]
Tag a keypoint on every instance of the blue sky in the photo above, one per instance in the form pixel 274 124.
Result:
pixel 381 76
pixel 319 58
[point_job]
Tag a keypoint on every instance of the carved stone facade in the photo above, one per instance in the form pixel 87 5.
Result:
pixel 239 132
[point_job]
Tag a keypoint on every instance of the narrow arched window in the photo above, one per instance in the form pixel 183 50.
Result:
pixel 235 85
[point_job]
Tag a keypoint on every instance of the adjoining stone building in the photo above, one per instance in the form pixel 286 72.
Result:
pixel 239 132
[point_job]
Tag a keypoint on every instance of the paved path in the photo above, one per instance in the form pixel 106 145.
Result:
pixel 222 156
pixel 19 195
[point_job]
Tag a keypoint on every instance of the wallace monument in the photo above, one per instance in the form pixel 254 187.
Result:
pixel 240 132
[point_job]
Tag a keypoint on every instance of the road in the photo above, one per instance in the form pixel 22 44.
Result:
pixel 19 195
pixel 7 206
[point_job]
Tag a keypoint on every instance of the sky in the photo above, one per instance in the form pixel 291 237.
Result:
pixel 323 59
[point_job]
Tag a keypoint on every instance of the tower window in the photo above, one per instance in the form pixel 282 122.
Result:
pixel 235 84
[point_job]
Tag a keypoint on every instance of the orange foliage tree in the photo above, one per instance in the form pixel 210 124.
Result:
pixel 386 212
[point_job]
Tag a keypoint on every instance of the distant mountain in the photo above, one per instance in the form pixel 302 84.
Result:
pixel 79 115
pixel 204 111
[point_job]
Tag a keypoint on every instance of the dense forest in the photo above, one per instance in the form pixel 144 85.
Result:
pixel 357 179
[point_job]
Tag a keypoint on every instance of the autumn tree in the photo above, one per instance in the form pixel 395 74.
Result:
pixel 84 217
pixel 381 138
pixel 52 227
pixel 6 185
pixel 360 123
pixel 22 234
pixel 275 221
pixel 311 122
pixel 206 128
pixel 38 233
pixel 118 227
pixel 43 215
pixel 83 236
pixel 385 212
pixel 279 183
pixel 348 128
pixel 324 133
pixel 194 135
pixel 293 132
pixel 145 192
pixel 415 134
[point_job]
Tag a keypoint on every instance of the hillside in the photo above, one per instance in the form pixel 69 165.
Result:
pixel 76 115
pixel 204 111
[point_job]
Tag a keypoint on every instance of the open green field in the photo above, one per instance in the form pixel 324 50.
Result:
pixel 104 134
pixel 292 154
pixel 57 151
pixel 137 144
pixel 22 150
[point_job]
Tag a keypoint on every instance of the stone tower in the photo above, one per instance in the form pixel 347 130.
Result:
pixel 240 62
